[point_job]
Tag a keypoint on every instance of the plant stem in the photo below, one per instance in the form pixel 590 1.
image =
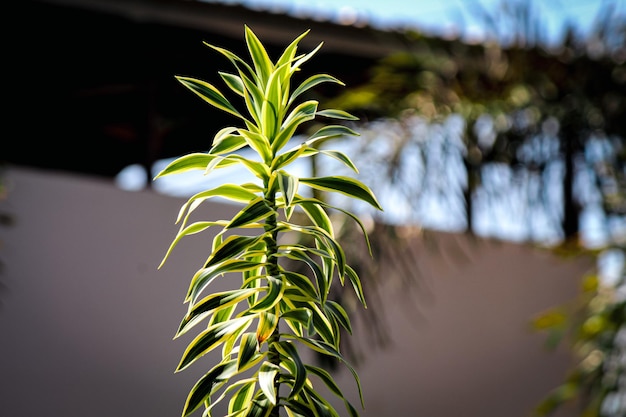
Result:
pixel 273 270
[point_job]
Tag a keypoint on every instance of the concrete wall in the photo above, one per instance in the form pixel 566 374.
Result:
pixel 86 320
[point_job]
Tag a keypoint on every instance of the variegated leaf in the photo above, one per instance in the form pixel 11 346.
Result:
pixel 210 339
pixel 344 185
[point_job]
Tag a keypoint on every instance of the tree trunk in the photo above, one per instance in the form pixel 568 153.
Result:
pixel 571 210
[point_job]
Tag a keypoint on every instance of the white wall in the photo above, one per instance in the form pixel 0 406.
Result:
pixel 86 320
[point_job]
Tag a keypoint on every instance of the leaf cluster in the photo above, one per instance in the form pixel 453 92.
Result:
pixel 258 355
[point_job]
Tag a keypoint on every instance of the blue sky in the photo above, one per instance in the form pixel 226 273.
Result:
pixel 435 16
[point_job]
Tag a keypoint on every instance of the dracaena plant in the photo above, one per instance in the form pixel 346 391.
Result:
pixel 263 325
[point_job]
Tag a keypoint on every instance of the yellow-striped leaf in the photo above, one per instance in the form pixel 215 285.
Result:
pixel 256 210
pixel 312 82
pixel 210 303
pixel 226 141
pixel 209 93
pixel 288 185
pixel 337 114
pixel 189 230
pixel 232 192
pixel 231 248
pixel 240 401
pixel 267 373
pixel 233 82
pixel 273 296
pixel 290 51
pixel 337 311
pixel 268 321
pixel 300 114
pixel 211 338
pixel 290 355
pixel 258 142
pixel 262 64
pixel 356 284
pixel 239 63
pixel 193 161
pixel 248 348
pixel 344 185
pixel 203 389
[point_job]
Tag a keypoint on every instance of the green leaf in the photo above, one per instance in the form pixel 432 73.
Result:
pixel 331 131
pixel 344 185
pixel 299 255
pixel 286 158
pixel 323 325
pixel 210 404
pixel 300 315
pixel 193 161
pixel 312 82
pixel 272 109
pixel 258 142
pixel 210 303
pixel 231 248
pixel 303 284
pixel 189 230
pixel 203 389
pixel 337 311
pixel 290 354
pixel 288 185
pixel 262 63
pixel 204 276
pixel 260 407
pixel 295 297
pixel 306 202
pixel 210 339
pixel 267 373
pixel 302 113
pixel 234 59
pixel 233 82
pixel 258 169
pixel 336 114
pixel 220 162
pixel 326 378
pixel 321 406
pixel 254 98
pixel 290 51
pixel 273 296
pixel 326 242
pixel 317 214
pixel 329 350
pixel 256 210
pixel 240 401
pixel 356 284
pixel 268 321
pixel 269 119
pixel 341 157
pixel 296 66
pixel 305 149
pixel 209 93
pixel 226 141
pixel 299 407
pixel 229 343
pixel 248 348
pixel 232 192
pixel 222 315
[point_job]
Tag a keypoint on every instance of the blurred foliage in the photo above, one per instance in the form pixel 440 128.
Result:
pixel 528 109
pixel 512 102
pixel 594 327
